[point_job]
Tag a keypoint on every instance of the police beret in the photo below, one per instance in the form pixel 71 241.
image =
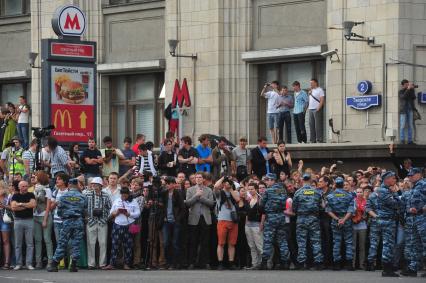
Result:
pixel 270 176
pixel 306 176
pixel 388 174
pixel 339 180
pixel 414 171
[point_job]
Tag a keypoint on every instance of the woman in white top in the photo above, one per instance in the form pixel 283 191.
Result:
pixel 124 211
pixel 23 121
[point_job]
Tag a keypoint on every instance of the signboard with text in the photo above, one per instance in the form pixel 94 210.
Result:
pixel 72 102
pixel 363 102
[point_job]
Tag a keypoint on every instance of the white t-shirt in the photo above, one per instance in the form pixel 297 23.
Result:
pixel 56 196
pixel 317 93
pixel 48 196
pixel 273 98
pixel 113 195
pixel 23 117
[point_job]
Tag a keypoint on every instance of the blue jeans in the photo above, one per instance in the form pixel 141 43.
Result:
pixel 273 120
pixel 284 119
pixel 406 120
pixel 23 131
pixel 171 236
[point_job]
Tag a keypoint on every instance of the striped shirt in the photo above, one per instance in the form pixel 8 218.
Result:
pixel 58 161
pixel 301 100
pixel 102 201
pixel 30 156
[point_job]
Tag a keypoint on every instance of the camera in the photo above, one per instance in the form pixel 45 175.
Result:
pixel 329 53
pixel 416 86
pixel 42 132
pixel 97 212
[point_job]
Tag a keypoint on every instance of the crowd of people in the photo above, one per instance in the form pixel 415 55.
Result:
pixel 209 207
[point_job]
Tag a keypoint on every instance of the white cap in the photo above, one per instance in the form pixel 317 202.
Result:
pixel 97 180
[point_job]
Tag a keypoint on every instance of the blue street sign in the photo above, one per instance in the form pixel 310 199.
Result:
pixel 363 102
pixel 364 87
pixel 422 97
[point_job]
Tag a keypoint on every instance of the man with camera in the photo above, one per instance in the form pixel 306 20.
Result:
pixel 272 95
pixel 111 157
pixel 11 159
pixel 222 159
pixel 406 97
pixel 98 206
pixel 227 198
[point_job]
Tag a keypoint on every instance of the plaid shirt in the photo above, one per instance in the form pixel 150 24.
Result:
pixel 58 161
pixel 95 201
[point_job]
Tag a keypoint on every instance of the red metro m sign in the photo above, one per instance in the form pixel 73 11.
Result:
pixel 69 21
pixel 181 95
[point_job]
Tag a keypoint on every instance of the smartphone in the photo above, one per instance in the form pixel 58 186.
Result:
pixel 122 210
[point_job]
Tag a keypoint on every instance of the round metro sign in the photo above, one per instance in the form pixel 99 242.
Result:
pixel 69 21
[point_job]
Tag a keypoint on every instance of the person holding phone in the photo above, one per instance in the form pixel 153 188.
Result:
pixel 124 211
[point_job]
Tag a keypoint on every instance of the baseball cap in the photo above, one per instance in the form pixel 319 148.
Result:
pixel 339 180
pixel 97 180
pixel 388 174
pixel 414 171
pixel 270 176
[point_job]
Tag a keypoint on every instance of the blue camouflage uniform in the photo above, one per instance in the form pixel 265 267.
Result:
pixel 71 207
pixel 306 205
pixel 341 202
pixel 387 207
pixel 374 228
pixel 273 202
pixel 415 249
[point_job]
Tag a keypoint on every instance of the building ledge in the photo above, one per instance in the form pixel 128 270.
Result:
pixel 138 66
pixel 13 75
pixel 282 53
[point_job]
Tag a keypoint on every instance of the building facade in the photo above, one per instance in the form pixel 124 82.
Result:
pixel 240 45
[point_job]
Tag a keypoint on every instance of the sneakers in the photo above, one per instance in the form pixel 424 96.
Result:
pixel 409 273
pixel 30 267
pixel 18 267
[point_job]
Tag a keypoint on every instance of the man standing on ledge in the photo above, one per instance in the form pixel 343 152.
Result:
pixel 273 102
pixel 71 207
pixel 316 103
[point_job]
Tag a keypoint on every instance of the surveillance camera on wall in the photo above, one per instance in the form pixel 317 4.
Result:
pixel 330 54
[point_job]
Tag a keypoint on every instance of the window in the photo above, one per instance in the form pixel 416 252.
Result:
pixel 14 7
pixel 286 74
pixel 136 106
pixel 119 2
pixel 12 92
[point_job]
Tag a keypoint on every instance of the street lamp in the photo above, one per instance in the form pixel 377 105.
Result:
pixel 172 50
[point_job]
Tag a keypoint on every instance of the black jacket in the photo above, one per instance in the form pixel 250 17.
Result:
pixel 178 205
pixel 258 162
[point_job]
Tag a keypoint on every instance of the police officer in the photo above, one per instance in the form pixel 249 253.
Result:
pixel 340 207
pixel 273 203
pixel 387 207
pixel 415 222
pixel 306 205
pixel 371 210
pixel 71 208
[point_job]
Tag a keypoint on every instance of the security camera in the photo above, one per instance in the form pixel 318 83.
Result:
pixel 329 53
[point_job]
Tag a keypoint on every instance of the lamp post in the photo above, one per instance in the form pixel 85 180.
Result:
pixel 172 50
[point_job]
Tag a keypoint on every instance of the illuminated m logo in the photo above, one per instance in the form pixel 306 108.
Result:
pixel 72 23
pixel 181 95
pixel 62 115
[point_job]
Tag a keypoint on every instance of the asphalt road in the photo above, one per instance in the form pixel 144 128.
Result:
pixel 200 276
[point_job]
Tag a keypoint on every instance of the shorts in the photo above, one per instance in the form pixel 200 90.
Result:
pixel 174 125
pixel 273 120
pixel 227 232
pixel 5 227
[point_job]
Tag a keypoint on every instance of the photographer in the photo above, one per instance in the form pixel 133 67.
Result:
pixel 111 157
pixel 227 198
pixel 406 109
pixel 270 92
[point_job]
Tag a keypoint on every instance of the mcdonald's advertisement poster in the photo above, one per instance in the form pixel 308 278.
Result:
pixel 72 102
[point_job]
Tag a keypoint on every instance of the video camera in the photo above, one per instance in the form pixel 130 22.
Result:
pixel 40 133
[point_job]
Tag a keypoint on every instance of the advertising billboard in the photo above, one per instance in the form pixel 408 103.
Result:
pixel 72 96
